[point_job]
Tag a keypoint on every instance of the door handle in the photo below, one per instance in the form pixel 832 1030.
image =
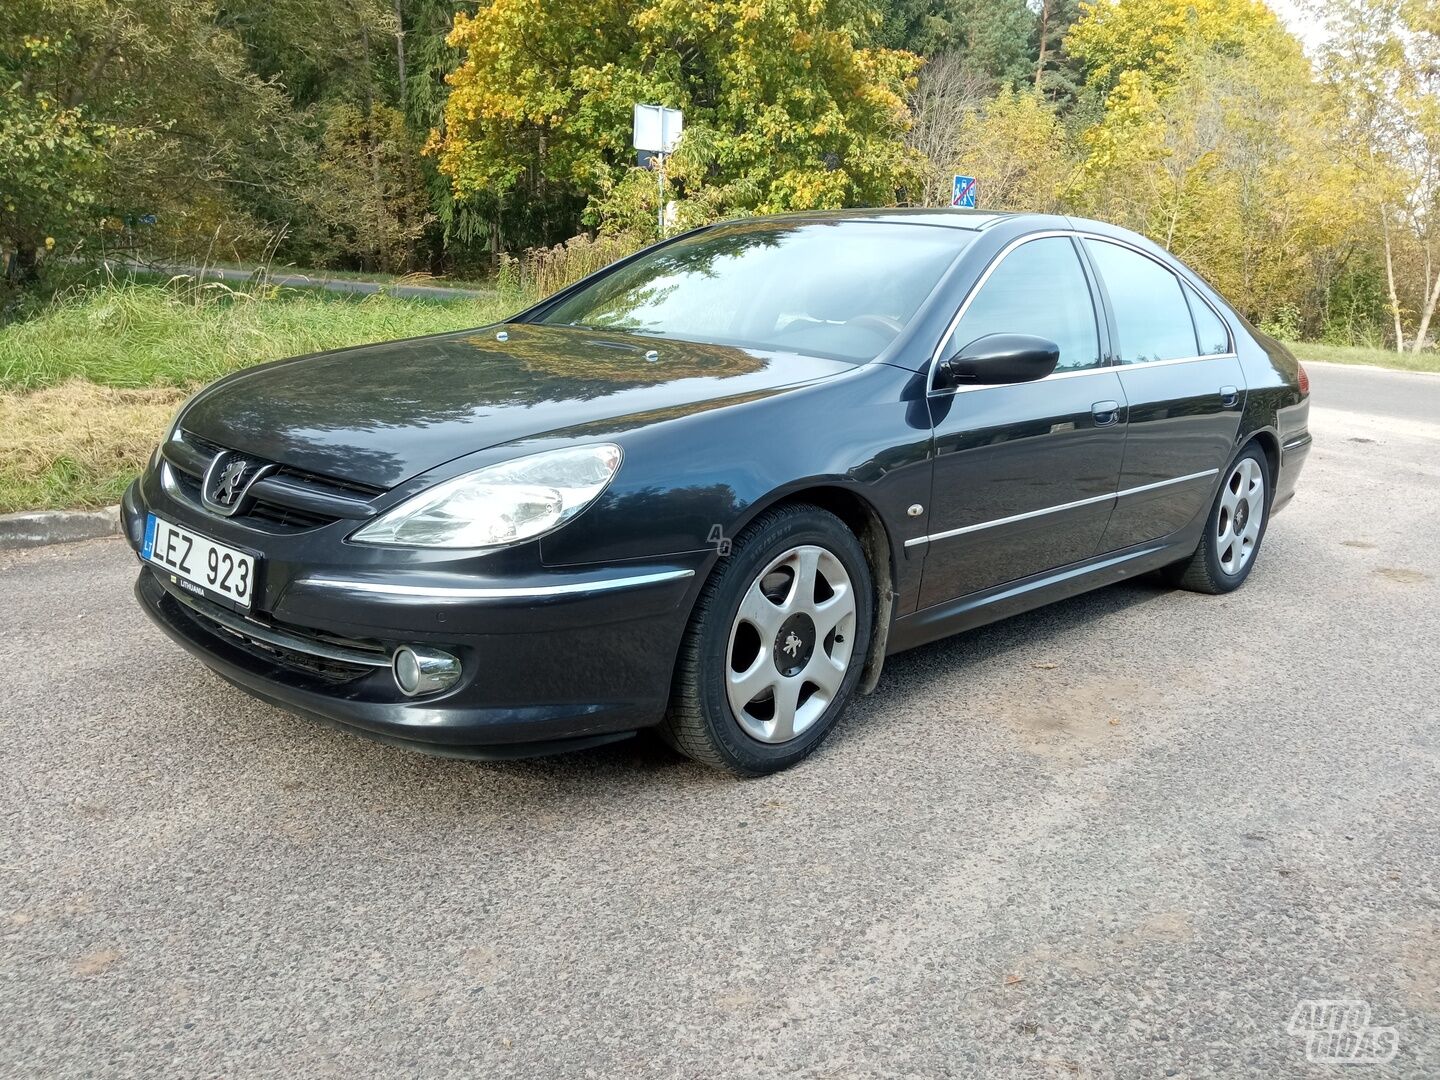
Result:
pixel 1229 396
pixel 1105 412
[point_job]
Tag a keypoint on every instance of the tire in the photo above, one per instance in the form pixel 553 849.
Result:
pixel 753 616
pixel 1226 555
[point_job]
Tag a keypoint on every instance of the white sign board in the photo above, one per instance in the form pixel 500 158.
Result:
pixel 657 128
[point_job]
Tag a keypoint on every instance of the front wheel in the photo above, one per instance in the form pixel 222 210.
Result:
pixel 775 646
pixel 1233 531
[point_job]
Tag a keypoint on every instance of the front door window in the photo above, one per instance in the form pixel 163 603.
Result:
pixel 1038 289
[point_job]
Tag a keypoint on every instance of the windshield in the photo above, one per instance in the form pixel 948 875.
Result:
pixel 842 290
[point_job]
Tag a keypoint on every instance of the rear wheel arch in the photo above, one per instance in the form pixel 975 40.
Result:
pixel 1269 443
pixel 1228 528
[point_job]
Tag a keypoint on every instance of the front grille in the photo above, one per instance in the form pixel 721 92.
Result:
pixel 302 655
pixel 288 516
pixel 204 446
pixel 333 672
pixel 276 511
pixel 329 484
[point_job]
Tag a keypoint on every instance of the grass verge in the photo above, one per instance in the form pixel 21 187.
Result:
pixel 137 335
pixel 1348 354
pixel 88 383
pixel 77 444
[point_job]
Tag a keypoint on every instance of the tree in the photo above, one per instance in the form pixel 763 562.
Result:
pixel 990 37
pixel 1228 157
pixel 150 109
pixel 316 51
pixel 1057 73
pixel 367 198
pixel 1382 63
pixel 1016 148
pixel 784 109
pixel 948 91
pixel 1159 37
pixel 53 155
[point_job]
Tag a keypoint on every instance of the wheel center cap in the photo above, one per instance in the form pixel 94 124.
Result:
pixel 1242 515
pixel 794 644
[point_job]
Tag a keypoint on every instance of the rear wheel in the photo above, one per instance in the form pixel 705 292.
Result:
pixel 1234 530
pixel 775 645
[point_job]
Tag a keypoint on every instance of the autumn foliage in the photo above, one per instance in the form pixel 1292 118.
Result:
pixel 785 110
pixel 493 135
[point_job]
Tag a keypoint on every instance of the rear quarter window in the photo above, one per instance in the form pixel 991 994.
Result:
pixel 1210 330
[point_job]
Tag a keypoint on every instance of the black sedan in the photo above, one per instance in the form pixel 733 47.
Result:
pixel 710 488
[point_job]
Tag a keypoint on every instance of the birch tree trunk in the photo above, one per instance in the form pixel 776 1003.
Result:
pixel 1390 279
pixel 1431 299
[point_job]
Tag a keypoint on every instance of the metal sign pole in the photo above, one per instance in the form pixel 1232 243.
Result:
pixel 657 129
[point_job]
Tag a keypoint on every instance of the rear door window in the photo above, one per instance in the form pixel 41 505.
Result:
pixel 1152 318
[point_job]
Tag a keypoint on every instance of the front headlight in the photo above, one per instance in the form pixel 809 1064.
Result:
pixel 501 504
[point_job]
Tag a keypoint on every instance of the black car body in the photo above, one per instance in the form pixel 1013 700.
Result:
pixel 971 500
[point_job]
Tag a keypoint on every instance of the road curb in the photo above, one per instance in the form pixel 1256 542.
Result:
pixel 42 527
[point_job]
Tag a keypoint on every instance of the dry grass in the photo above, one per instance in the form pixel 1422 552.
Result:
pixel 77 444
pixel 542 271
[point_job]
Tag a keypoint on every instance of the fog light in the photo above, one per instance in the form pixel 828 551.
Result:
pixel 423 671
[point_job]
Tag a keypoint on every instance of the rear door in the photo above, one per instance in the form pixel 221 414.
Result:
pixel 1184 386
pixel 1024 475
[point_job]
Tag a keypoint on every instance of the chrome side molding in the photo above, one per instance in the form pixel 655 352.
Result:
pixel 497 592
pixel 1114 495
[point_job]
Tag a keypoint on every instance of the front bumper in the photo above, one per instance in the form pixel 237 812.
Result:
pixel 550 660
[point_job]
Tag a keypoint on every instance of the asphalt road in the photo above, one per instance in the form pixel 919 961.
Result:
pixel 1122 836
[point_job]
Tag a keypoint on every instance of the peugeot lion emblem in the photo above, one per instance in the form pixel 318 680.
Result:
pixel 792 644
pixel 229 489
pixel 228 481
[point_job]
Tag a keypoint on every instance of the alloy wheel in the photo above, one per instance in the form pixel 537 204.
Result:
pixel 1242 512
pixel 790 644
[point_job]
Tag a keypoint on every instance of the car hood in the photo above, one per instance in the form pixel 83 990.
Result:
pixel 378 414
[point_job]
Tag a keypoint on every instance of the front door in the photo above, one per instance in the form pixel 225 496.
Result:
pixel 1185 387
pixel 1025 475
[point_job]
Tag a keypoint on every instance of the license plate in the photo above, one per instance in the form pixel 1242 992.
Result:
pixel 199 564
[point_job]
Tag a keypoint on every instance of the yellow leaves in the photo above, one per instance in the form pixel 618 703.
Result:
pixel 782 108
pixel 1016 147
pixel 1157 36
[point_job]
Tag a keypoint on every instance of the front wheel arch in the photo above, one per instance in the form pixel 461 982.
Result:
pixel 861 518
pixel 700 721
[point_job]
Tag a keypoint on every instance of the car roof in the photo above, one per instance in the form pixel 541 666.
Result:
pixel 1018 222
pixel 949 217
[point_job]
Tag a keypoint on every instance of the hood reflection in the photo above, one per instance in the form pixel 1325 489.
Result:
pixel 381 413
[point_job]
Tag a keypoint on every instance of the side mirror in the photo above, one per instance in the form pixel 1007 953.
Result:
pixel 1001 358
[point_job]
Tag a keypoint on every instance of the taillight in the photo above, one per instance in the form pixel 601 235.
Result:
pixel 1304 380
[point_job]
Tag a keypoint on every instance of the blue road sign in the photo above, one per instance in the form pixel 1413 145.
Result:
pixel 963 193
